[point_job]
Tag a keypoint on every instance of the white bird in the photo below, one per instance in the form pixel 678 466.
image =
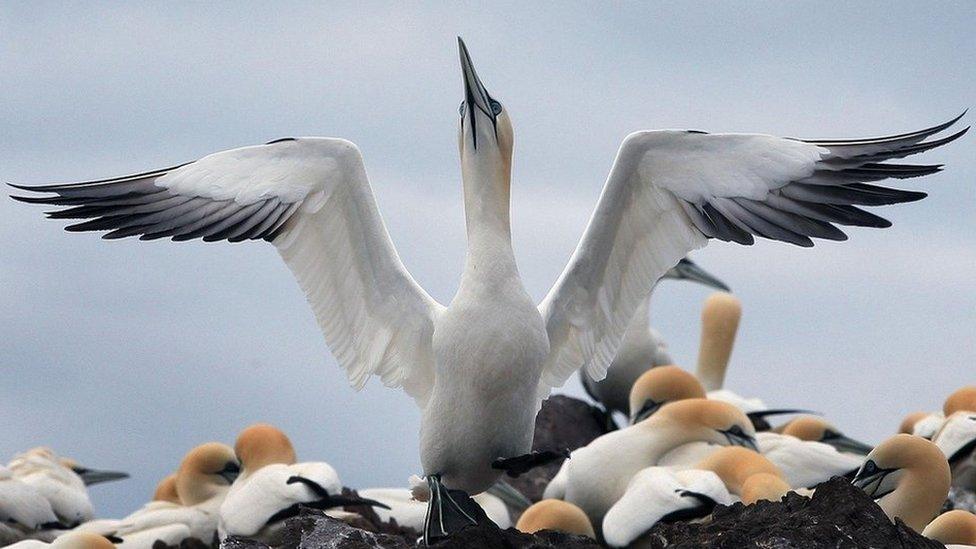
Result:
pixel 597 475
pixel 203 480
pixel 557 515
pixel 272 486
pixel 667 494
pixel 23 509
pixel 658 494
pixel 144 535
pixel 411 513
pixel 642 347
pixel 909 478
pixel 71 540
pixel 806 463
pixel 61 481
pixel 956 529
pixel 816 429
pixel 926 425
pixel 480 367
pixel 957 440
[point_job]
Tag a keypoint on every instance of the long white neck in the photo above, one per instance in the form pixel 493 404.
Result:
pixel 486 182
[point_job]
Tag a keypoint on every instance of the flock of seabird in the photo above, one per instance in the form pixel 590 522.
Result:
pixel 480 367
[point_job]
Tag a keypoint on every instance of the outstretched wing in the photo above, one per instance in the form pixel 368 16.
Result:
pixel 669 191
pixel 311 198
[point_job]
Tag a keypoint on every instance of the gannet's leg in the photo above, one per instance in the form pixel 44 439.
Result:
pixel 519 465
pixel 445 515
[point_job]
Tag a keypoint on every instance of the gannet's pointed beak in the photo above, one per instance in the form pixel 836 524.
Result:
pixel 94 476
pixel 846 444
pixel 687 269
pixel 476 97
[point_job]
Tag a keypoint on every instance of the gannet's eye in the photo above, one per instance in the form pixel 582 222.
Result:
pixel 496 107
pixel 461 109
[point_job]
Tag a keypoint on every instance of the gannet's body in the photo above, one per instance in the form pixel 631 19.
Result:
pixel 272 486
pixel 662 493
pixel 202 482
pixel 957 440
pixel 23 509
pixel 597 475
pixel 815 429
pixel 806 463
pixel 642 347
pixel 657 493
pixel 909 478
pixel 62 482
pixel 480 367
pixel 72 540
pixel 410 513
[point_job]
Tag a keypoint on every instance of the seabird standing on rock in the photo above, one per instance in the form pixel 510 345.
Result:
pixel 480 367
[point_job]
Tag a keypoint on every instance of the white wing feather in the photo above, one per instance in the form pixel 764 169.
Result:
pixel 669 190
pixel 311 198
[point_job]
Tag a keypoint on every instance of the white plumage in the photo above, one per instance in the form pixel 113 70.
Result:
pixel 481 366
pixel 410 513
pixel 22 509
pixel 64 490
pixel 656 492
pixel 805 463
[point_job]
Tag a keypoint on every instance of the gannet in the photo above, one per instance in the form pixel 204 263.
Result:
pixel 926 425
pixel 909 478
pixel 641 347
pixel 166 490
pixel 203 480
pixel 658 387
pixel 72 540
pixel 597 475
pixel 956 528
pixel 907 425
pixel 411 513
pixel 957 440
pixel 557 515
pixel 165 498
pixel 61 481
pixel 667 494
pixel 23 509
pixel 490 357
pixel 806 463
pixel 272 486
pixel 815 429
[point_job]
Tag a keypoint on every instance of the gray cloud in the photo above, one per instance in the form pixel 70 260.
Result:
pixel 125 354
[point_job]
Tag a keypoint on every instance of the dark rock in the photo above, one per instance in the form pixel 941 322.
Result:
pixel 839 516
pixel 188 543
pixel 563 423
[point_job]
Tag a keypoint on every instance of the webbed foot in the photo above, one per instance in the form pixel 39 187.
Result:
pixel 448 511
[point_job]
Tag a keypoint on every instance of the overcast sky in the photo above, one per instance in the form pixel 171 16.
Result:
pixel 125 354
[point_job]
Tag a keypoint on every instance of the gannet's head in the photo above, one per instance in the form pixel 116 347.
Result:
pixel 485 135
pixel 817 430
pixel 909 478
pixel 555 514
pixel 700 419
pixel 82 540
pixel 954 527
pixel 262 444
pixel 687 269
pixel 962 400
pixel 763 486
pixel 957 436
pixel 166 490
pixel 907 425
pixel 734 465
pixel 659 386
pixel 205 472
